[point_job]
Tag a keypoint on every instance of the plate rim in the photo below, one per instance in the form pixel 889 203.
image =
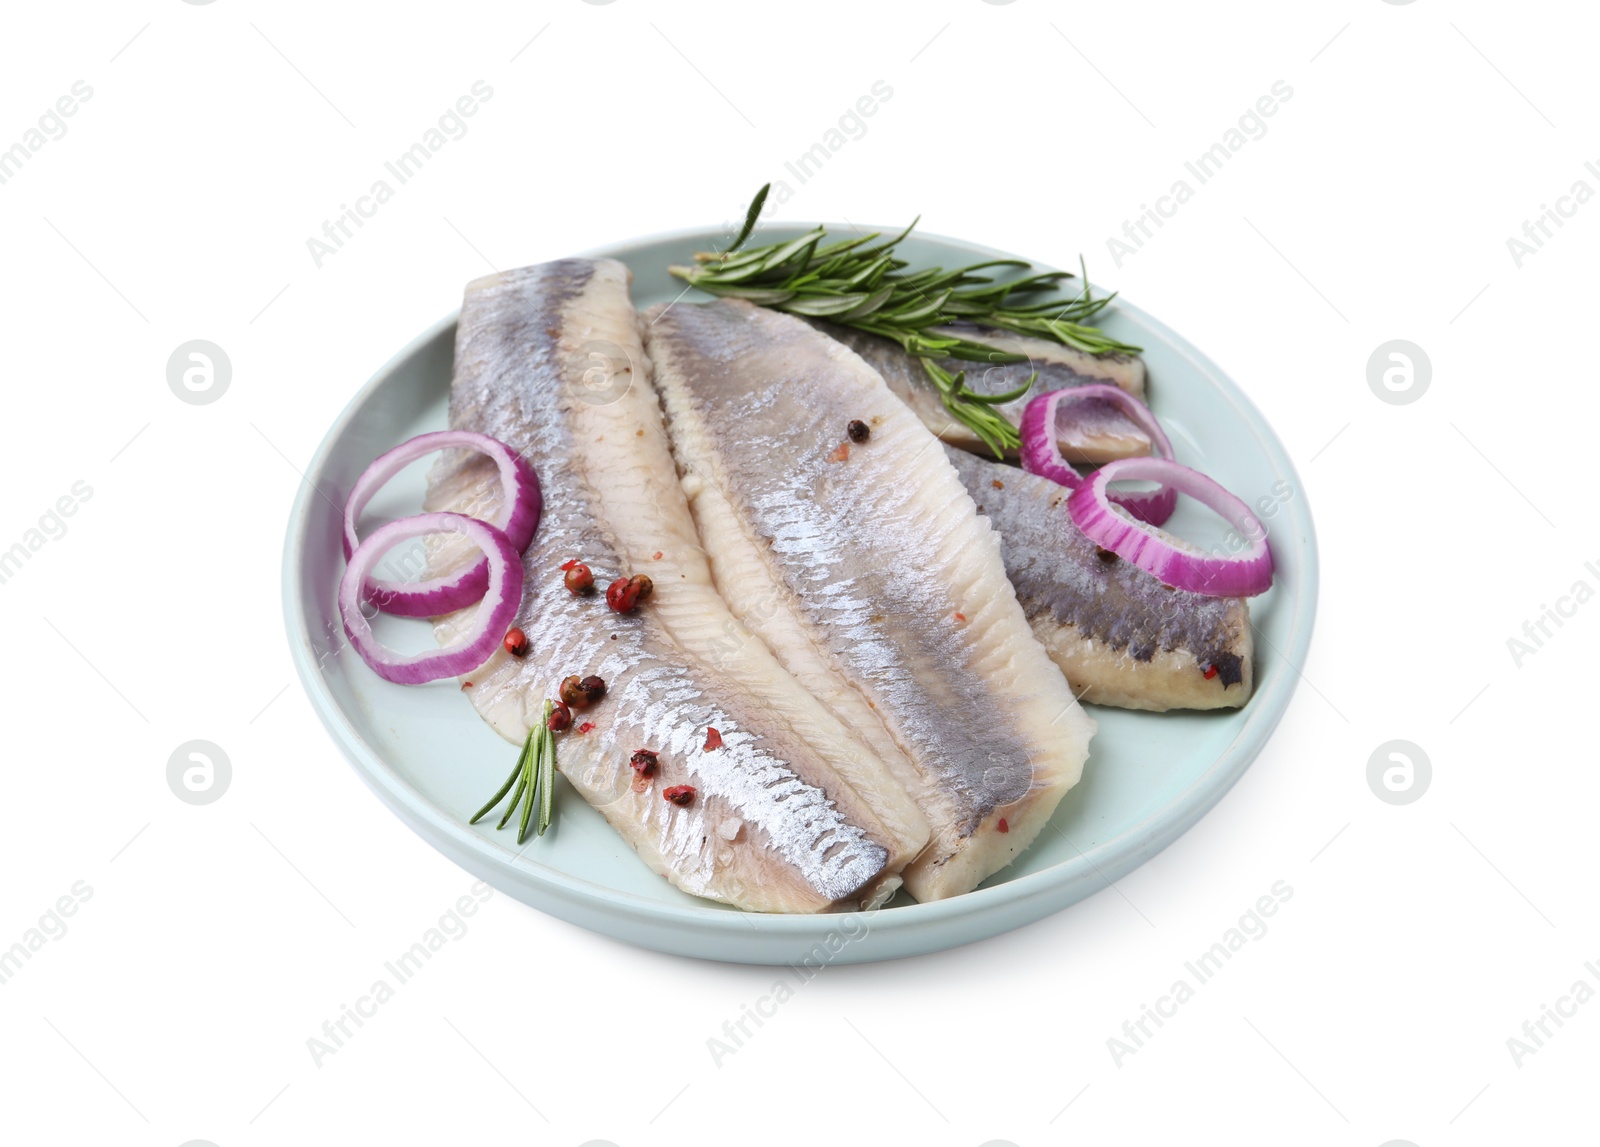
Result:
pixel 1003 907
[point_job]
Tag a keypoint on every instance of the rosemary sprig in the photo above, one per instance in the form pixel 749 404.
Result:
pixel 974 409
pixel 861 283
pixel 535 778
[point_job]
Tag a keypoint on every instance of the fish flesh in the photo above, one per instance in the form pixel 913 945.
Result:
pixel 1098 433
pixel 1120 636
pixel 866 569
pixel 790 813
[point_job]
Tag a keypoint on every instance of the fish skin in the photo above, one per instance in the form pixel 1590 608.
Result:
pixel 866 569
pixel 1121 637
pixel 1072 367
pixel 548 360
pixel 1099 432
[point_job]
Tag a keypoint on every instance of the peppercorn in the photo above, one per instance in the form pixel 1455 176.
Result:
pixel 620 598
pixel 644 762
pixel 625 594
pixel 516 642
pixel 560 717
pixel 858 430
pixel 678 794
pixel 579 579
pixel 582 693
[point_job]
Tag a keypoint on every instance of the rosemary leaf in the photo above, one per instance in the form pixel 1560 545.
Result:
pixel 998 399
pixel 547 778
pixel 505 788
pixel 527 808
pixel 824 306
pixel 522 781
pixel 751 216
pixel 872 305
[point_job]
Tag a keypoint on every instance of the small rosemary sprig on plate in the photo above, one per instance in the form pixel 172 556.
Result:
pixel 861 283
pixel 975 410
pixel 535 778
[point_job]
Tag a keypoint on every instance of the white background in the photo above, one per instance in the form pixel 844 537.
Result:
pixel 217 939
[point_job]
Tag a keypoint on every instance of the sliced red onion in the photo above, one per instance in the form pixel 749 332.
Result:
pixel 1173 561
pixel 496 611
pixel 517 519
pixel 1041 446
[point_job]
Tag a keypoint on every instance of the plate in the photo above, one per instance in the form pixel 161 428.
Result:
pixel 427 755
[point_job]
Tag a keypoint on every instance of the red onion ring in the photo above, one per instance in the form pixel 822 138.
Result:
pixel 517 519
pixel 497 609
pixel 1041 447
pixel 1171 560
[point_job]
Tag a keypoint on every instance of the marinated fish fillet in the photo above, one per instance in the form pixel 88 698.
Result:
pixel 1099 431
pixel 548 360
pixel 867 570
pixel 1121 637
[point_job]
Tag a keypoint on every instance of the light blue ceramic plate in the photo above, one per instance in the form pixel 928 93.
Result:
pixel 1149 776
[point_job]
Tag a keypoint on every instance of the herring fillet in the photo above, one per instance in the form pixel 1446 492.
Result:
pixel 774 826
pixel 1120 636
pixel 869 574
pixel 1098 432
